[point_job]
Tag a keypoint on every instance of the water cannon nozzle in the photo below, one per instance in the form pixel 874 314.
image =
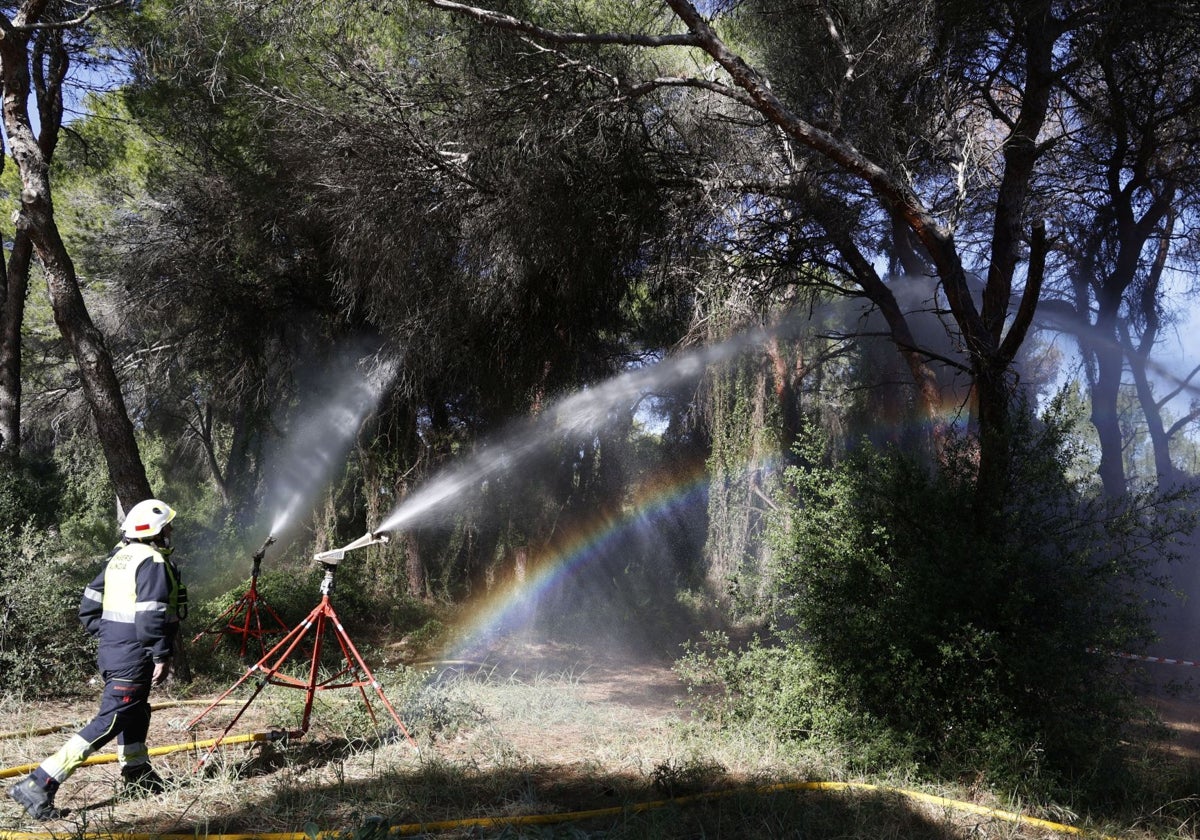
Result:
pixel 258 555
pixel 334 556
pixel 330 558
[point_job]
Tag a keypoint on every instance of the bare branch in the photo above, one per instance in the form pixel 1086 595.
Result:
pixel 681 81
pixel 500 20
pixel 1182 384
pixel 1183 422
pixel 88 13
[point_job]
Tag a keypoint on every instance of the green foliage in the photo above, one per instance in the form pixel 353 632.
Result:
pixel 28 493
pixel 86 513
pixel 427 634
pixel 741 685
pixel 909 637
pixel 43 649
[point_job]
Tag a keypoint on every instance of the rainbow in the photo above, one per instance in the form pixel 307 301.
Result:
pixel 508 606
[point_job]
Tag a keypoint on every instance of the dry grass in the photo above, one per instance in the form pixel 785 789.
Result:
pixel 531 731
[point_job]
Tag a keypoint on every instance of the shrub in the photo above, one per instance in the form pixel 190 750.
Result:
pixel 44 651
pixel 86 509
pixel 905 631
pixel 28 493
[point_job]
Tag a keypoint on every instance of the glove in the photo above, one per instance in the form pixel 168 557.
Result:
pixel 162 670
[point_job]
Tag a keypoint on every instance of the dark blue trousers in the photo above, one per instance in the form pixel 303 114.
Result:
pixel 124 714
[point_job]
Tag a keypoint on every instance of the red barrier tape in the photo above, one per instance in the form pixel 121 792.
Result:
pixel 1160 659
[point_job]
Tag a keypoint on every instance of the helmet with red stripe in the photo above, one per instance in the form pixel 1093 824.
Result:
pixel 147 519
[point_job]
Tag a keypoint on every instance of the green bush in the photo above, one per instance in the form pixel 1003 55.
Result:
pixel 44 651
pixel 86 513
pixel 28 493
pixel 904 632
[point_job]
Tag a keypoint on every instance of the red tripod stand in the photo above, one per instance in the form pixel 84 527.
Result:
pixel 353 672
pixel 243 618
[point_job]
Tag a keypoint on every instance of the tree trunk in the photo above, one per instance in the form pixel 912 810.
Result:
pixel 242 466
pixel 742 447
pixel 1109 352
pixel 35 218
pixel 202 430
pixel 414 569
pixel 1109 360
pixel 993 407
pixel 1164 469
pixel 15 276
pixel 1139 352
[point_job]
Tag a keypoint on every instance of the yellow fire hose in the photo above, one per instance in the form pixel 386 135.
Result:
pixel 410 829
pixel 108 758
pixel 49 730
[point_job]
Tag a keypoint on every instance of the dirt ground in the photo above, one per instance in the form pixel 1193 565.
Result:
pixel 1172 691
pixel 635 680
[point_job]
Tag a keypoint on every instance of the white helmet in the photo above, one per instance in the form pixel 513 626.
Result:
pixel 147 519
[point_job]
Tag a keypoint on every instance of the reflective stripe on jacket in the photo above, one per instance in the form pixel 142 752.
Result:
pixel 130 608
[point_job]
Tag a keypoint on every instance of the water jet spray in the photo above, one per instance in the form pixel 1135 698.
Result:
pixel 315 445
pixel 576 414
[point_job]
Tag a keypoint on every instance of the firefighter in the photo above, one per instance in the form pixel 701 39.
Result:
pixel 133 608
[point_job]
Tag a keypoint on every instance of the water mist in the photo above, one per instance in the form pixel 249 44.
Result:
pixel 317 447
pixel 581 412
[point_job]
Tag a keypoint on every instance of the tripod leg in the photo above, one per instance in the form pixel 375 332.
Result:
pixel 257 690
pixel 353 656
pixel 257 631
pixel 269 674
pixel 314 663
pixel 232 609
pixel 356 668
pixel 243 630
